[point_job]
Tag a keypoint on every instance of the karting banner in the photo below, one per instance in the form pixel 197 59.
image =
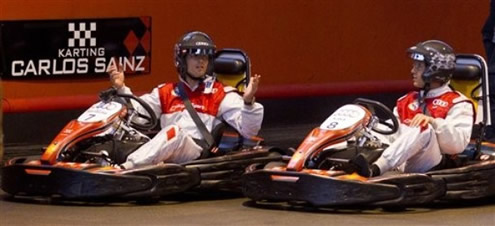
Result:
pixel 79 48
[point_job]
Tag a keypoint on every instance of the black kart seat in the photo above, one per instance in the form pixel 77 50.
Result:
pixel 468 76
pixel 471 78
pixel 467 68
pixel 232 68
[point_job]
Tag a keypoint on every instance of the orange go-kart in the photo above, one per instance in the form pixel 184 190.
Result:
pixel 80 163
pixel 322 173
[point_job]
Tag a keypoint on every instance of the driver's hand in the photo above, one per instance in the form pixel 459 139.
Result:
pixel 421 120
pixel 251 89
pixel 116 76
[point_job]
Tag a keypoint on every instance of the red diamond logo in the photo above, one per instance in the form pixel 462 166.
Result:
pixel 146 41
pixel 146 20
pixel 131 42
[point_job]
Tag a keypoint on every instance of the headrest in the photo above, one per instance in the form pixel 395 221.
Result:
pixel 467 69
pixel 229 63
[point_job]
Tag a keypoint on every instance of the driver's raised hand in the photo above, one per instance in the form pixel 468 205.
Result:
pixel 251 89
pixel 116 76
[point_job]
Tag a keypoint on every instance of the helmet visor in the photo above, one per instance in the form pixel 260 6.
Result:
pixel 199 51
pixel 417 56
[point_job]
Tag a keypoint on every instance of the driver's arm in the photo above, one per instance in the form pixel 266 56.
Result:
pixel 246 119
pixel 454 132
pixel 117 78
pixel 152 99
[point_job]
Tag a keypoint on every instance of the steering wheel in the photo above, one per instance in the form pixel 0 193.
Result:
pixel 151 119
pixel 372 106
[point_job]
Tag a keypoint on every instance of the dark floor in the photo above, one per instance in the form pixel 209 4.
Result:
pixel 228 210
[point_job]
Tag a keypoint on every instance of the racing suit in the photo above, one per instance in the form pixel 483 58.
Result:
pixel 419 149
pixel 175 141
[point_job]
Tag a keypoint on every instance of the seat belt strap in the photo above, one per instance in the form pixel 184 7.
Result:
pixel 195 117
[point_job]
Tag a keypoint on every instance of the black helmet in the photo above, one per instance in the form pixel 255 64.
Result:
pixel 196 43
pixel 439 59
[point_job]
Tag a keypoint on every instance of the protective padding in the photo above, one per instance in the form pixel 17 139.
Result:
pixel 231 67
pixel 467 77
pixel 232 80
pixel 466 87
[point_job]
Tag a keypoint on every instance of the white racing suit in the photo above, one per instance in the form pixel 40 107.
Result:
pixel 213 103
pixel 419 149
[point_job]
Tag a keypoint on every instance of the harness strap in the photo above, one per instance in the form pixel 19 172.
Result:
pixel 208 138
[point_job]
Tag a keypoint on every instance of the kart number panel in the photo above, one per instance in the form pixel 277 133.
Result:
pixel 345 117
pixel 99 112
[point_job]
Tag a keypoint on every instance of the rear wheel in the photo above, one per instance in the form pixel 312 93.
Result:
pixel 394 209
pixel 148 200
pixel 272 165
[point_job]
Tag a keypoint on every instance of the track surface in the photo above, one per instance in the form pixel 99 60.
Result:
pixel 193 209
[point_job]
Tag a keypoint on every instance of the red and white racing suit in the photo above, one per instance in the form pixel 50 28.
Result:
pixel 212 101
pixel 416 149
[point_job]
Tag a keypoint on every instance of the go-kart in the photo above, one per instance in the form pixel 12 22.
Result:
pixel 81 162
pixel 323 171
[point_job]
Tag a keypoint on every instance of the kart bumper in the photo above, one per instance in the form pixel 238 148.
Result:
pixel 39 180
pixel 318 190
pixel 25 176
pixel 469 182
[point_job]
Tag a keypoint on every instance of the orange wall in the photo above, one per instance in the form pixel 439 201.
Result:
pixel 289 41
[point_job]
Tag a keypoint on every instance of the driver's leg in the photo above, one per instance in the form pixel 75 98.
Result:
pixel 426 157
pixel 418 150
pixel 171 144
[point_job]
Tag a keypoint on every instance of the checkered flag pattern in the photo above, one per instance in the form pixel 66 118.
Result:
pixel 82 35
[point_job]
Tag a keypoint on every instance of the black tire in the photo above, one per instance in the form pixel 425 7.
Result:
pixel 24 159
pixel 253 167
pixel 394 209
pixel 147 201
pixel 271 165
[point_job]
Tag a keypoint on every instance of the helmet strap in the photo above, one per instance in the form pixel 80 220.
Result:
pixel 190 80
pixel 194 78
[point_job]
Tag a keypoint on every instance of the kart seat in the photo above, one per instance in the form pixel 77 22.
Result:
pixel 232 68
pixel 467 77
pixel 471 78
